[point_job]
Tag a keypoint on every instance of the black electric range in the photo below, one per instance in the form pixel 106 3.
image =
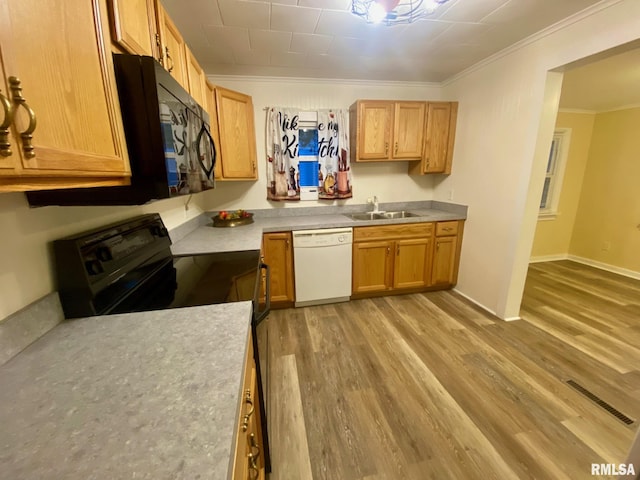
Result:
pixel 128 267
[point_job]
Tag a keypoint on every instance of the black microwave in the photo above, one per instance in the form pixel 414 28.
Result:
pixel 170 146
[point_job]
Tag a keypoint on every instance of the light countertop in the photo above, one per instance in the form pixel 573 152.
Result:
pixel 150 395
pixel 208 239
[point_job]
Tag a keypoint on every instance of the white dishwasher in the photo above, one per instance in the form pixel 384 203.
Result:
pixel 322 260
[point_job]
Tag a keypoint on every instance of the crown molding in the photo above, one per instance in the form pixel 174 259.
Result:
pixel 316 81
pixel 587 12
pixel 628 106
pixel 577 110
pixel 621 107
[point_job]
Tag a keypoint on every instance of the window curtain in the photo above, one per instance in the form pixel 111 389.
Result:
pixel 308 154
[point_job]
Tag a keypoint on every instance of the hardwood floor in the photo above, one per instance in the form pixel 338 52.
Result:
pixel 429 386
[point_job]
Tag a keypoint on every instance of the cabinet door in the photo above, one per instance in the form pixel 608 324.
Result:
pixel 237 135
pixel 437 139
pixel 375 119
pixel 372 266
pixel 444 261
pixel 246 411
pixel 278 254
pixel 133 25
pixel 196 79
pixel 408 130
pixel 70 88
pixel 9 158
pixel 210 93
pixel 412 263
pixel 256 442
pixel 173 48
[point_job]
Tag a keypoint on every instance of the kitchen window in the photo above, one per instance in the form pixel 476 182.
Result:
pixel 555 172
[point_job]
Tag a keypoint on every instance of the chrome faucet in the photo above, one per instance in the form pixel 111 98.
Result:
pixel 375 205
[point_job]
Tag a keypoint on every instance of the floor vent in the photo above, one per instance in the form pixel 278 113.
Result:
pixel 597 400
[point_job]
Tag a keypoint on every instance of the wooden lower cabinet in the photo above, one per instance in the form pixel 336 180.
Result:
pixel 278 254
pixel 372 267
pixel 405 257
pixel 412 262
pixel 446 253
pixel 391 257
pixel 249 460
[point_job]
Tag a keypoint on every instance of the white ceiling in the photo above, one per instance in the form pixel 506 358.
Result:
pixel 605 84
pixel 322 39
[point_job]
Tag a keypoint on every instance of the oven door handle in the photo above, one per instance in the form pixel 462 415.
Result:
pixel 261 315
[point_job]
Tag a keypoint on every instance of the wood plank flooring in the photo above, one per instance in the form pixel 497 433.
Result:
pixel 429 386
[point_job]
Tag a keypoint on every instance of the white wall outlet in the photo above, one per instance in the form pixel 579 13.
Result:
pixel 369 200
pixel 451 194
pixel 606 246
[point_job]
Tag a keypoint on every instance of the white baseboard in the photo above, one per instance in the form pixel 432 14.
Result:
pixel 549 258
pixel 488 310
pixel 605 266
pixel 587 261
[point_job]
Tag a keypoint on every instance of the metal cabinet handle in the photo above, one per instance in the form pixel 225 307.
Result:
pixel 27 135
pixel 5 146
pixel 158 44
pixel 397 250
pixel 248 401
pixel 388 250
pixel 168 55
pixel 254 472
pixel 386 148
pixel 396 149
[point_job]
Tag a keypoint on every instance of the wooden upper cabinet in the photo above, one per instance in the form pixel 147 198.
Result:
pixel 210 96
pixel 9 157
pixel 173 47
pixel 66 120
pixel 196 79
pixel 408 129
pixel 385 130
pixel 237 135
pixel 133 23
pixel 374 123
pixel 439 139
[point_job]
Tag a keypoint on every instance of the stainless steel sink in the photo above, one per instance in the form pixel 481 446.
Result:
pixel 364 216
pixel 402 214
pixel 381 215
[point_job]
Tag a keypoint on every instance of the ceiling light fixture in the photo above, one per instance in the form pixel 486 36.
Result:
pixel 394 12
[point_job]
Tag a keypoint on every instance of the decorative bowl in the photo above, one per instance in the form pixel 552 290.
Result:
pixel 232 222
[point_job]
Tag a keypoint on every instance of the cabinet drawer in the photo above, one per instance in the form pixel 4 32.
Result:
pixel 446 228
pixel 384 232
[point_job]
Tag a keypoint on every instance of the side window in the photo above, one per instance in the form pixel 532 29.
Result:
pixel 555 171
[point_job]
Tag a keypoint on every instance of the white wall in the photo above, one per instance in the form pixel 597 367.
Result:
pixel 507 113
pixel 27 271
pixel 389 181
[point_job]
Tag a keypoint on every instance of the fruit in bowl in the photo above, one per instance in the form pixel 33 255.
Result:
pixel 225 215
pixel 232 218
